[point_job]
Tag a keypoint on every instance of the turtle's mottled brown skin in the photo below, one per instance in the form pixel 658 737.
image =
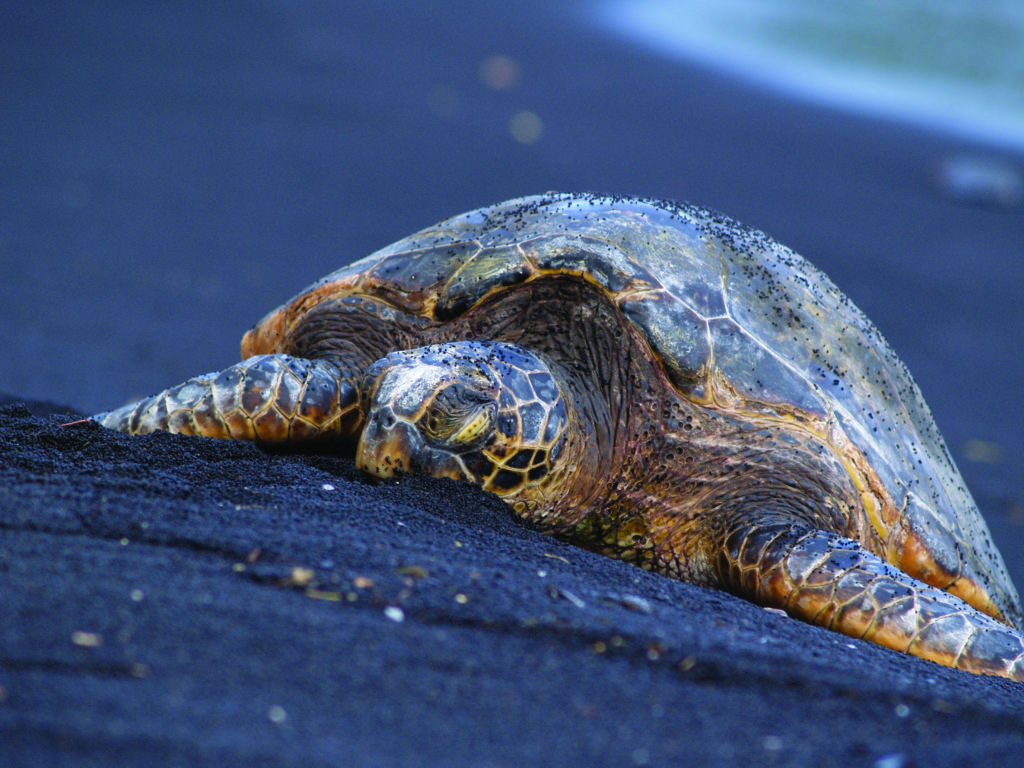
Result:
pixel 649 380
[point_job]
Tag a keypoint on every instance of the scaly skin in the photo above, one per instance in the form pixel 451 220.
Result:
pixel 493 416
pixel 834 582
pixel 267 399
pixel 727 418
pixel 816 576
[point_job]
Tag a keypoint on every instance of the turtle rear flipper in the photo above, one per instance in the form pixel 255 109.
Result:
pixel 267 398
pixel 834 582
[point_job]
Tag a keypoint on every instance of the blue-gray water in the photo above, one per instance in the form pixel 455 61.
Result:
pixel 957 65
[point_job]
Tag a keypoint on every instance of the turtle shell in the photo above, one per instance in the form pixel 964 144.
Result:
pixel 727 312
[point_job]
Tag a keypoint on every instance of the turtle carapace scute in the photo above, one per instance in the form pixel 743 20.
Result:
pixel 647 379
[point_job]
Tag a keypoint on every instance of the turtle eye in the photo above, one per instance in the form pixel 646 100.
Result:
pixel 458 418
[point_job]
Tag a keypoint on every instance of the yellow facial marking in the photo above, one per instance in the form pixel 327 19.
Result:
pixel 475 428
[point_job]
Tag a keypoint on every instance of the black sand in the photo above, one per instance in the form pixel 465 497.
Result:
pixel 166 179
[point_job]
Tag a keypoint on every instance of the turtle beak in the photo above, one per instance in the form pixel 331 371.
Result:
pixel 387 445
pixel 390 445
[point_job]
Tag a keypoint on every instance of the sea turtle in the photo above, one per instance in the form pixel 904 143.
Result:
pixel 650 380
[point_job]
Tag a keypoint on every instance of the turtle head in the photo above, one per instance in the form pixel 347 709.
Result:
pixel 487 412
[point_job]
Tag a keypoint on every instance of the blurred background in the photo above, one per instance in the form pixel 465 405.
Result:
pixel 170 172
pixel 955 65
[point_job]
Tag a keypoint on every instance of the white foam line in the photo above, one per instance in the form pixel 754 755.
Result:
pixel 689 32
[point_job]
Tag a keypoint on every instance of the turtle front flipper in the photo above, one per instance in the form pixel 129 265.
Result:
pixel 834 582
pixel 267 398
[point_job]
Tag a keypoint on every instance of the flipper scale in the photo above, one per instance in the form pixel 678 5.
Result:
pixel 834 582
pixel 267 398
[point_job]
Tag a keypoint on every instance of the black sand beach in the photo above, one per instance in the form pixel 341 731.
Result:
pixel 168 176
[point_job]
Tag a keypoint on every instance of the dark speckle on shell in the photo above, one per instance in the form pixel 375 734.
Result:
pixel 706 292
pixel 710 297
